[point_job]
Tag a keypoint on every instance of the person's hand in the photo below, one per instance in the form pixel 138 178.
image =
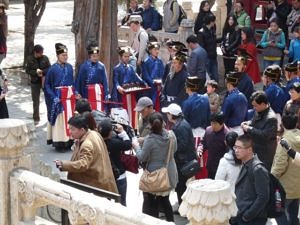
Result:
pixel 39 72
pixel 245 126
pixel 58 164
pixel 135 143
pixel 121 90
pixel 285 51
pixel 285 144
pixel 140 140
pixel 119 128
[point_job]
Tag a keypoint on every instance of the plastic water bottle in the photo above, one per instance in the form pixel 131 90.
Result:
pixel 278 201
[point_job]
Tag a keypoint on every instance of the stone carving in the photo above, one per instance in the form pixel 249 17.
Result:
pixel 28 193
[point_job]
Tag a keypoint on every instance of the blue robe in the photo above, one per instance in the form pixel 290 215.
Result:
pixel 152 68
pixel 235 108
pixel 196 110
pixel 91 73
pixel 58 75
pixel 290 83
pixel 123 74
pixel 276 97
pixel 246 87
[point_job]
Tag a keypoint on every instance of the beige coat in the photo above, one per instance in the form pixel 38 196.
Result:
pixel 90 163
pixel 284 168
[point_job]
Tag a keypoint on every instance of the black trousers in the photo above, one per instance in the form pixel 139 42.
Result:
pixel 151 203
pixel 181 185
pixel 35 95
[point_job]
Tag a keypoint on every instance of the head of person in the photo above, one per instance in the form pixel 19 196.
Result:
pixel 204 6
pixel 193 84
pixel 92 125
pixel 292 70
pixel 259 101
pixel 247 35
pixel 135 22
pixel 211 86
pixel 289 121
pixel 231 22
pixel 178 61
pixel 274 25
pixel 82 105
pixel 295 91
pixel 238 6
pixel 210 20
pixel 232 80
pixel 78 126
pixel 217 121
pixel 147 3
pixel 144 106
pixel 61 53
pixel 230 139
pixel 296 32
pixel 296 4
pixel 243 148
pixel 175 46
pixel 173 111
pixel 105 128
pixel 240 64
pixel 271 74
pixel 192 41
pixel 153 49
pixel 2 8
pixel 125 53
pixel 38 51
pixel 93 52
pixel 156 121
pixel 133 4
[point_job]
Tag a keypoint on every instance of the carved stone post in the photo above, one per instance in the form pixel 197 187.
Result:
pixel 185 29
pixel 13 137
pixel 187 6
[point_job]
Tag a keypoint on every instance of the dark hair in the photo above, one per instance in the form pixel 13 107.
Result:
pixel 209 18
pixel 156 122
pixel 212 83
pixel 217 117
pixel 249 35
pixel 79 122
pixel 90 120
pixel 296 29
pixel 202 5
pixel 230 138
pixel 38 49
pixel 240 2
pixel 82 105
pixel 289 121
pixel 259 97
pixel 105 127
pixel 192 39
pixel 274 20
pixel 227 27
pixel 296 86
pixel 245 139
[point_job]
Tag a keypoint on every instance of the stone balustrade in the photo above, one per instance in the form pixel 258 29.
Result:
pixel 29 191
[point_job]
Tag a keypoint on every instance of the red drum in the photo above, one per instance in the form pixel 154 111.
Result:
pixel 96 96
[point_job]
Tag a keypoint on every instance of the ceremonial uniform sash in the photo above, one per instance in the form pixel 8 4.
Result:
pixel 96 96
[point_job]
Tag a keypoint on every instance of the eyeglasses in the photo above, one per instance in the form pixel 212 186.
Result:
pixel 236 147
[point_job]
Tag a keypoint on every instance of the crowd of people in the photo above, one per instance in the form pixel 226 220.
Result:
pixel 182 117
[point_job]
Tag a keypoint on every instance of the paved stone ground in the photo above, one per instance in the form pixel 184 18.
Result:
pixel 54 27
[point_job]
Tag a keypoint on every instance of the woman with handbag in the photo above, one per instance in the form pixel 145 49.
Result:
pixel 157 153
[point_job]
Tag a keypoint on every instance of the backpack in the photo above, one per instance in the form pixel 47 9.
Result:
pixel 276 204
pixel 182 13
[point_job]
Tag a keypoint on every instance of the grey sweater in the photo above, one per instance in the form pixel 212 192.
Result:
pixel 155 151
pixel 170 21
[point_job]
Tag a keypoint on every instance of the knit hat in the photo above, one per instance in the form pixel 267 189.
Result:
pixel 142 103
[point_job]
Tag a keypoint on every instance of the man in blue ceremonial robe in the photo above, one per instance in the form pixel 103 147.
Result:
pixel 59 75
pixel 92 71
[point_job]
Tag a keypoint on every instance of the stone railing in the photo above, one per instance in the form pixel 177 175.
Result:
pixel 30 191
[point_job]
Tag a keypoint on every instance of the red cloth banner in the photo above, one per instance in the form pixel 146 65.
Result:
pixel 96 96
pixel 67 98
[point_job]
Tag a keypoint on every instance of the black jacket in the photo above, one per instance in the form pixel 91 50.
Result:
pixel 199 23
pixel 252 191
pixel 37 63
pixel 207 39
pixel 264 135
pixel 185 143
pixel 230 41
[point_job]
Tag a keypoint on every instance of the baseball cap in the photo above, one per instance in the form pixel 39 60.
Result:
pixel 173 109
pixel 143 103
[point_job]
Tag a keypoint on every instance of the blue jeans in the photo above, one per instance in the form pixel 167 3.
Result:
pixel 122 188
pixel 212 69
pixel 291 213
pixel 270 63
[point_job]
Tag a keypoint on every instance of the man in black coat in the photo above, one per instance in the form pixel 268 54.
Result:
pixel 262 128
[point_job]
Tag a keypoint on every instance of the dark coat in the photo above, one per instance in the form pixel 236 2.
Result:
pixel 264 135
pixel 252 190
pixel 200 20
pixel 33 64
pixel 208 40
pixel 230 41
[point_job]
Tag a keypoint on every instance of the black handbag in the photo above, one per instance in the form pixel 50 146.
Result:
pixel 190 169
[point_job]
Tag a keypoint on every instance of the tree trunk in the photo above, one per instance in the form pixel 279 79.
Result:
pixel 96 21
pixel 34 10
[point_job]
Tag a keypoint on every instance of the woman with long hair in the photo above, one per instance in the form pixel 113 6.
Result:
pixel 204 10
pixel 231 39
pixel 248 50
pixel 153 154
